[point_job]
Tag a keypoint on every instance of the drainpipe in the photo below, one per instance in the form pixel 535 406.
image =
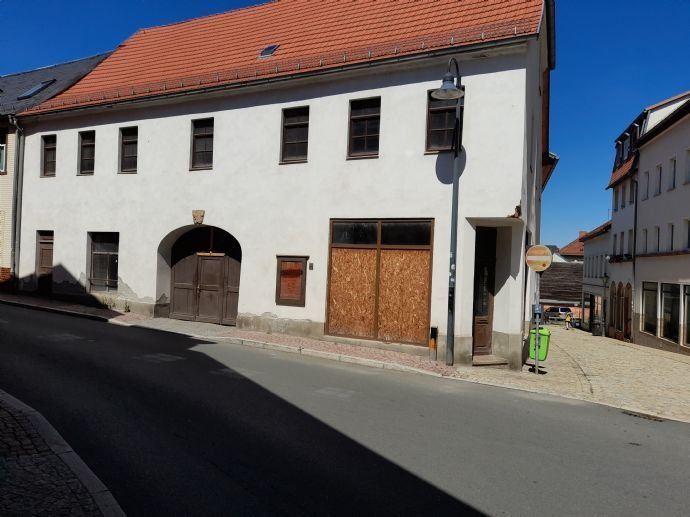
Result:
pixel 17 199
pixel 634 260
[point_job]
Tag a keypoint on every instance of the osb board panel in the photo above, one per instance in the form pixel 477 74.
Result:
pixel 404 296
pixel 352 298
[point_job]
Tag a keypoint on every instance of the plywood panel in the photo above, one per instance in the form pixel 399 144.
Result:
pixel 404 296
pixel 352 296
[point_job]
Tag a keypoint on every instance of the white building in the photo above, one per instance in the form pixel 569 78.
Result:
pixel 650 247
pixel 595 278
pixel 307 191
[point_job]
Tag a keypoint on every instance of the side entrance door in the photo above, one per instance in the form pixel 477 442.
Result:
pixel 44 262
pixel 484 279
pixel 198 288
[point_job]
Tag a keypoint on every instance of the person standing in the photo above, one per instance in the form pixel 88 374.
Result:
pixel 568 318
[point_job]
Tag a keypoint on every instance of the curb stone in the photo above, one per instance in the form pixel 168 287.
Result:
pixel 99 492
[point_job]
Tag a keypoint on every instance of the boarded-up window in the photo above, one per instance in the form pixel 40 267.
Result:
pixel 365 120
pixel 129 143
pixel 291 279
pixel 295 134
pixel 49 155
pixel 440 124
pixel 202 143
pixel 104 259
pixel 87 151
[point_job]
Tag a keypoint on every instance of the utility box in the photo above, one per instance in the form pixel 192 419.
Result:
pixel 544 339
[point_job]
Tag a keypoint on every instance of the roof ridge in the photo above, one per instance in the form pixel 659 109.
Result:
pixel 667 101
pixel 56 64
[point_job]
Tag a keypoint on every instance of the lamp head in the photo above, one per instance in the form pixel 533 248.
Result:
pixel 448 89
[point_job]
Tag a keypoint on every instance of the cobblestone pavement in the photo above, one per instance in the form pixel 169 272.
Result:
pixel 579 365
pixel 33 478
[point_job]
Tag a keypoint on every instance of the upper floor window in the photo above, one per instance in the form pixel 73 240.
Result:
pixel 365 122
pixel 622 243
pixel 646 185
pixel 644 241
pixel 687 242
pixel 687 167
pixel 295 135
pixel 626 148
pixel 87 151
pixel 671 231
pixel 49 154
pixel 659 175
pixel 658 238
pixel 624 188
pixel 202 144
pixel 615 198
pixel 672 173
pixel 3 158
pixel 615 243
pixel 630 242
pixel 440 123
pixel 633 187
pixel 129 143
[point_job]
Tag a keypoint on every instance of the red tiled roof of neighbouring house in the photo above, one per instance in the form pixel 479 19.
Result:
pixel 573 249
pixel 224 48
pixel 622 172
pixel 599 230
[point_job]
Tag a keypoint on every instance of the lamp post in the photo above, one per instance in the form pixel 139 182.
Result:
pixel 452 89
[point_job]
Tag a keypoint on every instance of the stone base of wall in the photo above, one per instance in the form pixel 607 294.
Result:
pixel 510 347
pixel 645 339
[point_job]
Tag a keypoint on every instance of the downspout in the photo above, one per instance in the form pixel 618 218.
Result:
pixel 17 199
pixel 634 258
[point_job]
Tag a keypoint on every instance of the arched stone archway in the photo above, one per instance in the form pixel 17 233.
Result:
pixel 199 274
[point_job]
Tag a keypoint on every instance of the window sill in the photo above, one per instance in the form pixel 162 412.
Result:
pixel 290 162
pixel 127 172
pixel 201 168
pixel 438 151
pixel 84 173
pixel 362 157
pixel 47 175
pixel 670 342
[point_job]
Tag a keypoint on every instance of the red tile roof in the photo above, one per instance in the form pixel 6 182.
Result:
pixel 622 172
pixel 599 230
pixel 573 249
pixel 224 48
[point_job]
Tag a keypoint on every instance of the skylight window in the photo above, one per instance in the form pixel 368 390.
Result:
pixel 268 51
pixel 37 88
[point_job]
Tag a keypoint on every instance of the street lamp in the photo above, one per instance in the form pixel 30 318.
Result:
pixel 452 89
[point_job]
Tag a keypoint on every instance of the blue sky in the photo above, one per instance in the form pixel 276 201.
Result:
pixel 614 58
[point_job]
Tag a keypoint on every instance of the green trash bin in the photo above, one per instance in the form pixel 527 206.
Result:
pixel 545 337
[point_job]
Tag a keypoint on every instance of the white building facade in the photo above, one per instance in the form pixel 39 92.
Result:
pixel 317 204
pixel 595 279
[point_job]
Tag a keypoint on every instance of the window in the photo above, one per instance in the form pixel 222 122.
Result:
pixel 649 302
pixel 645 248
pixel 202 143
pixel 671 231
pixel 623 194
pixel 129 143
pixel 659 175
pixel 622 243
pixel 268 51
pixel 35 89
pixel 687 315
pixel 365 118
pixel 87 151
pixel 626 148
pixel 104 254
pixel 646 186
pixel 291 279
pixel 672 169
pixel 633 187
pixel 670 311
pixel 49 153
pixel 687 166
pixel 615 244
pixel 687 234
pixel 658 239
pixel 440 123
pixel 615 199
pixel 295 135
pixel 630 242
pixel 3 158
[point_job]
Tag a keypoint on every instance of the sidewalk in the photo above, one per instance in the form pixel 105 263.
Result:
pixel 40 474
pixel 579 366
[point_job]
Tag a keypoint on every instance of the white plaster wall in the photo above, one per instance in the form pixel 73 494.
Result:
pixel 283 209
pixel 7 202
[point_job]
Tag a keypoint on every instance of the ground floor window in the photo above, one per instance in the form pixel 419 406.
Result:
pixel 670 310
pixel 687 315
pixel 291 280
pixel 649 303
pixel 103 261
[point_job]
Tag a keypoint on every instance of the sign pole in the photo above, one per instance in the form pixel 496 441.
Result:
pixel 538 259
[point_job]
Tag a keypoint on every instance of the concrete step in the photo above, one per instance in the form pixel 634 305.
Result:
pixel 490 361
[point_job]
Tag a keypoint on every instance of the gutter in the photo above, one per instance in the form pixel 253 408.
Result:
pixel 512 42
pixel 17 199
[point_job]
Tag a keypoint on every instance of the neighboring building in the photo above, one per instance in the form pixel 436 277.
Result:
pixel 595 278
pixel 279 168
pixel 573 251
pixel 561 286
pixel 650 243
pixel 17 93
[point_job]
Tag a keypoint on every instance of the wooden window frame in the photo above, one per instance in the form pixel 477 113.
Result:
pixel 3 160
pixel 429 111
pixel 44 162
pixel 284 126
pixel 108 288
pixel 301 302
pixel 356 156
pixel 193 136
pixel 128 139
pixel 82 145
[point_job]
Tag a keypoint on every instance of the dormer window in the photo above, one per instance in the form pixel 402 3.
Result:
pixel 626 146
pixel 268 51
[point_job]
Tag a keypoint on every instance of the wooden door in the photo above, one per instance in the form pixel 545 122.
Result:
pixel 231 289
pixel 183 302
pixel 484 280
pixel 44 263
pixel 210 288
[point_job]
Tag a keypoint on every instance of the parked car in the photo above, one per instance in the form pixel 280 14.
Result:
pixel 556 313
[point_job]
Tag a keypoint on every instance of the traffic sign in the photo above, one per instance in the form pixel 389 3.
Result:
pixel 539 258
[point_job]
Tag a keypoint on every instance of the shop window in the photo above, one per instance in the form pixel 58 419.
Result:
pixel 104 261
pixel 649 306
pixel 670 311
pixel 291 281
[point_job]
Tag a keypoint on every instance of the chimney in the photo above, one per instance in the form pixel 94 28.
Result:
pixel 582 234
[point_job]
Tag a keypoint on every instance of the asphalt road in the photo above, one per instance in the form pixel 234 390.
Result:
pixel 177 426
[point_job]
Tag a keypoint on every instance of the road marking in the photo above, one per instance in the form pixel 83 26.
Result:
pixel 336 392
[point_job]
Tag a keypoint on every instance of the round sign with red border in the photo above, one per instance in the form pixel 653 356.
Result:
pixel 539 258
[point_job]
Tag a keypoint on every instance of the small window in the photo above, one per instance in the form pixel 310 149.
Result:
pixel 644 242
pixel 291 280
pixel 624 188
pixel 622 242
pixel 649 306
pixel 633 187
pixel 672 174
pixel 440 123
pixel 659 176
pixel 615 199
pixel 104 258
pixel 268 51
pixel 646 186
pixel 355 233
pixel 87 152
pixel 615 243
pixel 406 233
pixel 49 143
pixel 295 134
pixel 365 119
pixel 129 142
pixel 671 231
pixel 658 238
pixel 630 242
pixel 202 143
